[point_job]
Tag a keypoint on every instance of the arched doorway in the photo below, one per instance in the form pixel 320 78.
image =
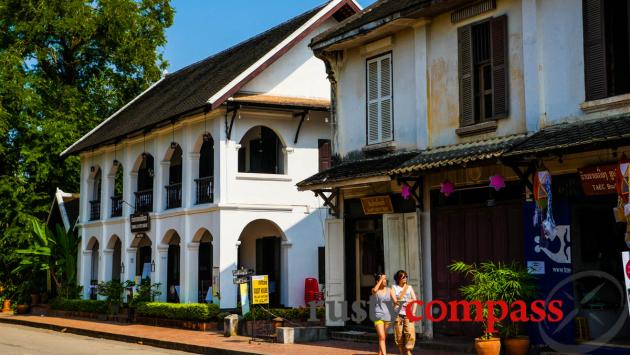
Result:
pixel 174 187
pixel 93 246
pixel 205 182
pixel 144 262
pixel 260 250
pixel 173 289
pixel 95 202
pixel 116 245
pixel 261 152
pixel 205 264
pixel 144 186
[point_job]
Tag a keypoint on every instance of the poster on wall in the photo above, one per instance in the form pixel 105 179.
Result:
pixel 548 258
pixel 625 257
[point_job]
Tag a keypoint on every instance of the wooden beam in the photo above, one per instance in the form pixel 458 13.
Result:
pixel 415 189
pixel 330 200
pixel 297 133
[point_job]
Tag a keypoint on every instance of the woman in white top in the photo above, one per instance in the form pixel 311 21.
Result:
pixel 404 330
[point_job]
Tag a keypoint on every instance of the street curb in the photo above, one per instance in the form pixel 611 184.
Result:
pixel 197 349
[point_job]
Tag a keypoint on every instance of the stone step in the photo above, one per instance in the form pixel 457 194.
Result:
pixel 357 336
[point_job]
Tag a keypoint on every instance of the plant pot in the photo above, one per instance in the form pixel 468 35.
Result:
pixel 34 298
pixel 6 306
pixel 517 345
pixel 22 308
pixel 491 346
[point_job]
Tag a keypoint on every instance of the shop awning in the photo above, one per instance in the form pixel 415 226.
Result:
pixel 575 137
pixel 352 169
pixel 459 154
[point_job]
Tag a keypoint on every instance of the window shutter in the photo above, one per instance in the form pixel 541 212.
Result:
pixel 596 83
pixel 380 126
pixel 466 88
pixel 387 133
pixel 373 102
pixel 499 42
pixel 325 154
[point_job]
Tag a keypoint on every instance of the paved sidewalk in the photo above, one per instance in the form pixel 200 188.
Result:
pixel 194 341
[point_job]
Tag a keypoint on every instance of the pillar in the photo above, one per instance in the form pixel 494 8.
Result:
pixel 160 180
pixel 161 271
pixel 130 264
pixel 189 277
pixel 190 173
pixel 107 265
pixel 86 269
pixel 286 291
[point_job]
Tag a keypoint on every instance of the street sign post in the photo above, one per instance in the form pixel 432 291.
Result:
pixel 241 280
pixel 260 295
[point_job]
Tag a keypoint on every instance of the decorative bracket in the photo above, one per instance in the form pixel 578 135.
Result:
pixel 330 200
pixel 527 176
pixel 415 189
pixel 303 115
pixel 228 129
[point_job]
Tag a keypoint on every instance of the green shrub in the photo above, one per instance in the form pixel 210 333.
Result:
pixel 181 311
pixel 295 314
pixel 92 306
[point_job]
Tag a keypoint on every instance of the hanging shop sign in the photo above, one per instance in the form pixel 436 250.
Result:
pixel 599 180
pixel 260 289
pixel 377 205
pixel 140 222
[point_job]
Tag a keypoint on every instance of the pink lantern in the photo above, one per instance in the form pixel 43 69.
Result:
pixel 447 188
pixel 497 182
pixel 405 192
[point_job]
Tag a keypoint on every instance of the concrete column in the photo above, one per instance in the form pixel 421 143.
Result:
pixel 228 255
pixel 160 179
pixel 421 86
pixel 129 195
pixel 86 268
pixel 189 277
pixel 130 263
pixel 191 172
pixel 108 192
pixel 286 292
pixel 161 270
pixel 534 92
pixel 106 265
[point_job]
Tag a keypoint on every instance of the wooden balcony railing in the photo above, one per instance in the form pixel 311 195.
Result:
pixel 117 206
pixel 95 210
pixel 144 200
pixel 205 188
pixel 173 195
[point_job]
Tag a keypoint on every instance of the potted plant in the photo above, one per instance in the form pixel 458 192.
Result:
pixel 496 282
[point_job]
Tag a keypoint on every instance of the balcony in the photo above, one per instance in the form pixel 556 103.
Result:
pixel 173 196
pixel 205 187
pixel 95 210
pixel 117 206
pixel 144 200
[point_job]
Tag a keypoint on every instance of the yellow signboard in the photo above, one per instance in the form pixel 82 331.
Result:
pixel 260 289
pixel 377 205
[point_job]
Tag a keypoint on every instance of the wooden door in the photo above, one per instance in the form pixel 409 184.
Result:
pixel 471 233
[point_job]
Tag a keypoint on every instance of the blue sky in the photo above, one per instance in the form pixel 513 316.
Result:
pixel 204 27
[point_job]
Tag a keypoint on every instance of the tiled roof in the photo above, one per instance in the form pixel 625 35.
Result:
pixel 379 14
pixel 281 101
pixel 459 154
pixel 575 136
pixel 190 88
pixel 359 168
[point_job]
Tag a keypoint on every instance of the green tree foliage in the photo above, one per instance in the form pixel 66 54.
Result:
pixel 65 65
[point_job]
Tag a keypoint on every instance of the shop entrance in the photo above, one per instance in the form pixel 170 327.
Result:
pixel 364 257
pixel 597 245
pixel 472 226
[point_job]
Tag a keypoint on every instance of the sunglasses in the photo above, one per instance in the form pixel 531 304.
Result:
pixel 403 277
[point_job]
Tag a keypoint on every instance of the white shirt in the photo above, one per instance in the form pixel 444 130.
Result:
pixel 402 300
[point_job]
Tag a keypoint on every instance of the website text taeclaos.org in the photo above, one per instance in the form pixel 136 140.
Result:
pixel 451 311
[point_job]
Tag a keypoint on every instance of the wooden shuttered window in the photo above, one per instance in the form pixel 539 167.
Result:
pixel 380 120
pixel 476 49
pixel 466 85
pixel 596 83
pixel 324 153
pixel 499 42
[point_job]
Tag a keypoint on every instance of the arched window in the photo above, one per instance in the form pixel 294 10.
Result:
pixel 118 192
pixel 144 193
pixel 261 152
pixel 205 182
pixel 174 187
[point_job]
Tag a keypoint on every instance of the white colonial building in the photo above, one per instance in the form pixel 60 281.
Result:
pixel 206 161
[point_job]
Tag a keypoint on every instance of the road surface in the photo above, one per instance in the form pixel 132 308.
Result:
pixel 21 340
